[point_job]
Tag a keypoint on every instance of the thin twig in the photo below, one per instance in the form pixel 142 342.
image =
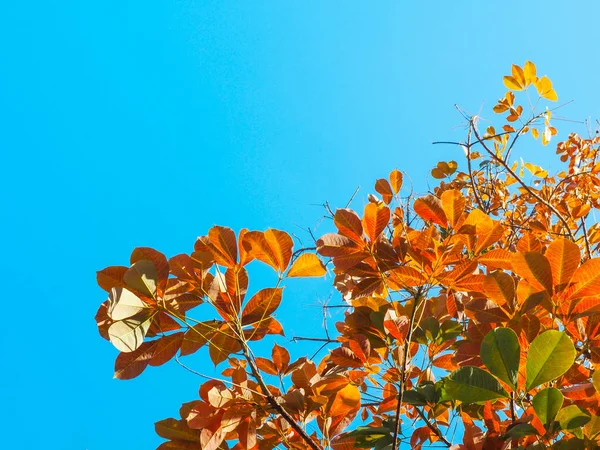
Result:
pixel 433 427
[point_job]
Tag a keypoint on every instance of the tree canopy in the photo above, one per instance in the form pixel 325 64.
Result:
pixel 470 312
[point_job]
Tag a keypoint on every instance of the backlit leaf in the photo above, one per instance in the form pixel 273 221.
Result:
pixel 453 204
pixel 375 219
pixel 307 265
pixel 430 208
pixel 396 180
pixel 473 385
pixel 223 245
pixel 550 355
pixel 382 186
pixel 547 403
pixel 586 280
pixel 131 364
pixel 261 305
pixel 349 224
pixel 535 268
pixel 563 255
pixel 273 247
pixel 500 352
pixel 572 416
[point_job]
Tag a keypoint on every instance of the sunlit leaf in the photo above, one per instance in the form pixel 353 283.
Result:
pixel 122 303
pixel 307 265
pixel 375 219
pixel 430 208
pixel 563 255
pixel 572 416
pixel 547 403
pixel 453 204
pixel 396 180
pixel 261 305
pixel 382 186
pixel 128 334
pixel 273 247
pixel 550 355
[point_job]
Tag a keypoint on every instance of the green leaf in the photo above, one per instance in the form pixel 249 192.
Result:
pixel 547 403
pixel 596 380
pixel 550 355
pixel 519 430
pixel 572 417
pixel 472 384
pixel 500 352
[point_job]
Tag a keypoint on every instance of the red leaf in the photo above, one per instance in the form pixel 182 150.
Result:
pixel 130 365
pixel 166 348
pixel 111 277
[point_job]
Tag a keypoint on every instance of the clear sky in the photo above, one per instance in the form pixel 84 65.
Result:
pixel 143 123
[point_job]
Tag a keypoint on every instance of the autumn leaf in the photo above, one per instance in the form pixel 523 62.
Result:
pixel 307 265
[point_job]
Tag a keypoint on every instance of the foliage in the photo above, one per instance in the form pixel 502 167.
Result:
pixel 472 308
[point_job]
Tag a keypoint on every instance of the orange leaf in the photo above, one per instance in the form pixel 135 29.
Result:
pixel 535 268
pixel 281 358
pixel 499 287
pixel 405 276
pixel 453 204
pixel 586 280
pixel 564 257
pixel 223 245
pixel 266 366
pixel 222 345
pixel 130 365
pixel 272 247
pixel 396 180
pixel 261 305
pixel 345 401
pixel 348 224
pixel 496 259
pixel 198 335
pixel 166 348
pixel 512 83
pixel 382 186
pixel 111 277
pixel 307 265
pixel 375 219
pixel 430 208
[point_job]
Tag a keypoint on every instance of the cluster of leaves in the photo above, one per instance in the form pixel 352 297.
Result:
pixel 471 313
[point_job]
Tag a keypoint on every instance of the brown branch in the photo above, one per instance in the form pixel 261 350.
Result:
pixel 433 427
pixel 524 185
pixel 585 237
pixel 300 338
pixel 403 370
pixel 273 402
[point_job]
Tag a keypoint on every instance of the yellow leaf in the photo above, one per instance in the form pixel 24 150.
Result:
pixel 307 265
pixel 536 170
pixel 529 70
pixel 535 133
pixel 544 88
pixel 513 84
pixel 546 136
pixel 518 74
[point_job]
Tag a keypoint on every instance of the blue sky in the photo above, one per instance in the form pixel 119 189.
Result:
pixel 133 123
